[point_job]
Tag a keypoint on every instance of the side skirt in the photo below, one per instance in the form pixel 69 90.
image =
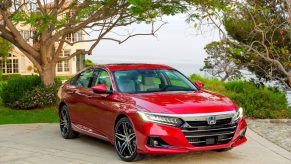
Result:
pixel 84 130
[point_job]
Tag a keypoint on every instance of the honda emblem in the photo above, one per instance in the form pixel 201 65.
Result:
pixel 211 120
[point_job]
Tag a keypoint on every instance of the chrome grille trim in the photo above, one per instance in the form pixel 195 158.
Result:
pixel 197 136
pixel 199 116
pixel 199 133
pixel 194 130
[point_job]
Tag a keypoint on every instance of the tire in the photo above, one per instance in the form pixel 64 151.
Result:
pixel 125 140
pixel 65 124
pixel 224 150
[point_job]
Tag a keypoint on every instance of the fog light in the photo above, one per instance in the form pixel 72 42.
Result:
pixel 154 141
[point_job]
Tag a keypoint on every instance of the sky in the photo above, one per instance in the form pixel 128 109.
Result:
pixel 178 44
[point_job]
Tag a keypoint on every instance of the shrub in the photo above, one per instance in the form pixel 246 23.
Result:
pixel 214 85
pixel 257 101
pixel 15 87
pixel 11 76
pixel 2 83
pixel 39 97
pixel 27 92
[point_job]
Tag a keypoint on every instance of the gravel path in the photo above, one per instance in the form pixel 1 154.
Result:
pixel 277 131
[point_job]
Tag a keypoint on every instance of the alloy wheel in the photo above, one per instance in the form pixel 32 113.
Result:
pixel 125 140
pixel 64 122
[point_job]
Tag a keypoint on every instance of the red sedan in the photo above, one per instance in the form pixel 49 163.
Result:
pixel 148 109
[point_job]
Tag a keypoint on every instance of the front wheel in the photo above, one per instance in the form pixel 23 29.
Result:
pixel 125 140
pixel 65 124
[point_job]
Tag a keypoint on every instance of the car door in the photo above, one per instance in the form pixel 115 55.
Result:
pixel 100 106
pixel 78 90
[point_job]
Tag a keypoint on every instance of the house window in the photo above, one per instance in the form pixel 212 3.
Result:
pixel 80 62
pixel 64 66
pixel 10 65
pixel 69 37
pixel 75 37
pixel 79 36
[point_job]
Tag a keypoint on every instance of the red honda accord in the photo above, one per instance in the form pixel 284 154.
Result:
pixel 148 109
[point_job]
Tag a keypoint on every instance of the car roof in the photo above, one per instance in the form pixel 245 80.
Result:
pixel 128 66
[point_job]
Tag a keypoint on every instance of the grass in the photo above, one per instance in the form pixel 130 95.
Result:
pixel 11 116
pixel 64 77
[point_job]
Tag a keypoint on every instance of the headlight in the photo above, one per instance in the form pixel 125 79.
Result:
pixel 172 121
pixel 237 115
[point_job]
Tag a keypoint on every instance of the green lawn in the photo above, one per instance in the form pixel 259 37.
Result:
pixel 10 116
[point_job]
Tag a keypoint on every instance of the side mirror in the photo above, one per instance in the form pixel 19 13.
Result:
pixel 199 84
pixel 100 88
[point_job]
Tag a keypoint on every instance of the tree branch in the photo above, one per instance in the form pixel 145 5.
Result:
pixel 152 33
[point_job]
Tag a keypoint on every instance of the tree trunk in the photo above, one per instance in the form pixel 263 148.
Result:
pixel 48 74
pixel 289 81
pixel 225 77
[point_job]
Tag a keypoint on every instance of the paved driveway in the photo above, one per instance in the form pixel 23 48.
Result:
pixel 42 143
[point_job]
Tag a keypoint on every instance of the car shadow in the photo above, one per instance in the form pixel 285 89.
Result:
pixel 205 156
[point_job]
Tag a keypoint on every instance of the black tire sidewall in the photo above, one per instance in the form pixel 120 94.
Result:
pixel 68 134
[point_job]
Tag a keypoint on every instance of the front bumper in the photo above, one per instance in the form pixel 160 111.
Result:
pixel 174 137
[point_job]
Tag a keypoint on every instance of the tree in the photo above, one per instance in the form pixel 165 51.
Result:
pixel 221 61
pixel 262 27
pixel 261 30
pixel 89 63
pixel 51 22
pixel 5 48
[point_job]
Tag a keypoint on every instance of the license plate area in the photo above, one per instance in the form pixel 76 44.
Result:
pixel 210 141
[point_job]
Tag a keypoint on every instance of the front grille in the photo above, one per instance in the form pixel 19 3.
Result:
pixel 204 123
pixel 201 134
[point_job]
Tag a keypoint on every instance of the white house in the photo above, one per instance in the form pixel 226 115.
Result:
pixel 18 63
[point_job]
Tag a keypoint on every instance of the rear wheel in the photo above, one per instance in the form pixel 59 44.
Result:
pixel 65 124
pixel 125 140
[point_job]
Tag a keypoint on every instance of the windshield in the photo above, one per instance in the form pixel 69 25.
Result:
pixel 151 80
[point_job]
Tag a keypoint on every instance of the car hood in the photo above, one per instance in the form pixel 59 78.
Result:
pixel 183 102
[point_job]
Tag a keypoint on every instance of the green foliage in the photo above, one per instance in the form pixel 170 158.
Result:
pixel 260 102
pixel 5 47
pixel 41 96
pixel 257 101
pixel 16 87
pixel 214 85
pixel 259 29
pixel 254 19
pixel 2 84
pixel 221 61
pixel 60 78
pixel 10 76
pixel 89 63
pixel 141 10
pixel 27 92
